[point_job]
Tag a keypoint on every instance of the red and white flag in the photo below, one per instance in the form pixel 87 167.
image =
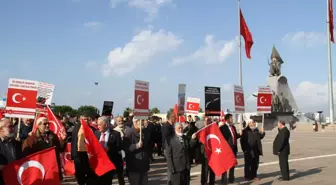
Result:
pixel 193 105
pixel 331 20
pixel 264 100
pixel 67 163
pixel 55 125
pixel 21 98
pixel 219 154
pixel 141 99
pixel 38 168
pixel 245 32
pixel 98 159
pixel 239 101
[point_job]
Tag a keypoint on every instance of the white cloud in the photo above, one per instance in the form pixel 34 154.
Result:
pixel 151 7
pixel 304 39
pixel 92 24
pixel 212 52
pixel 141 49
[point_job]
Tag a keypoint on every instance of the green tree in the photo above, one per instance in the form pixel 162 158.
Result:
pixel 200 110
pixel 154 110
pixel 88 109
pixel 63 110
pixel 127 111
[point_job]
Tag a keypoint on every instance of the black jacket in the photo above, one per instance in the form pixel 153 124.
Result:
pixel 114 145
pixel 251 141
pixel 225 130
pixel 281 142
pixel 178 154
pixel 137 159
pixel 167 131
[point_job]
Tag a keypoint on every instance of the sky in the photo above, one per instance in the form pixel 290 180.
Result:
pixel 74 43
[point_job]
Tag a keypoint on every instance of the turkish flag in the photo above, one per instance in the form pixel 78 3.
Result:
pixel 239 99
pixel 193 106
pixel 176 111
pixel 55 125
pixel 141 100
pixel 98 159
pixel 182 119
pixel 20 98
pixel 331 20
pixel 219 154
pixel 67 163
pixel 245 32
pixel 264 100
pixel 38 168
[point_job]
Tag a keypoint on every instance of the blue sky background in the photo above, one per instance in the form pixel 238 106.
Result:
pixel 67 42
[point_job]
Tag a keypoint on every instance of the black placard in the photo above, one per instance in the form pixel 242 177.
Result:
pixel 107 108
pixel 212 101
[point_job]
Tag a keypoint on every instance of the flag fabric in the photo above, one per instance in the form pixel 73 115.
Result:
pixel 55 125
pixel 98 159
pixel 245 32
pixel 331 20
pixel 38 168
pixel 67 163
pixel 220 155
pixel 222 116
pixel 176 110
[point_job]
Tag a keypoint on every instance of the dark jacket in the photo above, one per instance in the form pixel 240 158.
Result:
pixel 251 141
pixel 137 159
pixel 114 145
pixel 281 142
pixel 225 130
pixel 177 154
pixel 167 131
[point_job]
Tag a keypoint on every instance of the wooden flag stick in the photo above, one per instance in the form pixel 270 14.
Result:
pixel 263 121
pixel 18 130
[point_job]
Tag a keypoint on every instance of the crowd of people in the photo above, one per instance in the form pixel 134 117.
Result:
pixel 134 142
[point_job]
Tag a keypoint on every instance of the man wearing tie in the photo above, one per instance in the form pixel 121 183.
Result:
pixel 230 134
pixel 112 143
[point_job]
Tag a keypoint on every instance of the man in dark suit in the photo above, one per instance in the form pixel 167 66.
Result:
pixel 252 148
pixel 168 131
pixel 136 147
pixel 83 172
pixel 178 157
pixel 281 148
pixel 230 134
pixel 112 143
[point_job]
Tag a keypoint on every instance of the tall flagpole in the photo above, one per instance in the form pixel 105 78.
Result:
pixel 240 73
pixel 330 79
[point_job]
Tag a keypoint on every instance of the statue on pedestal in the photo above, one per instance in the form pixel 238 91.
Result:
pixel 275 65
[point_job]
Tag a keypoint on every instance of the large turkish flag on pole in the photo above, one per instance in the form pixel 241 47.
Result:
pixel 219 154
pixel 38 168
pixel 141 99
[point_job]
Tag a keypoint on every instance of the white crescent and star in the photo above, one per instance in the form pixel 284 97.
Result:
pixel 262 100
pixel 212 136
pixel 29 164
pixel 138 99
pixel 191 106
pixel 66 154
pixel 55 126
pixel 15 100
pixel 238 99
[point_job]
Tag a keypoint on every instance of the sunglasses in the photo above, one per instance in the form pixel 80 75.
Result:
pixel 45 123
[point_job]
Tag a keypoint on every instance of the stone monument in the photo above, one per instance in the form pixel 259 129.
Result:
pixel 283 103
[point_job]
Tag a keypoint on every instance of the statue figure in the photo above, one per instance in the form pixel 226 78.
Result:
pixel 275 65
pixel 276 104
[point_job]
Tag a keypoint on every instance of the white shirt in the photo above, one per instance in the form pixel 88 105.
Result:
pixel 107 134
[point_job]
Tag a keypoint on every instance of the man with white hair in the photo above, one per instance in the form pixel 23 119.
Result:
pixel 178 157
pixel 252 148
pixel 112 143
pixel 10 149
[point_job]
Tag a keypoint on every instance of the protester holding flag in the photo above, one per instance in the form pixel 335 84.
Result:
pixel 41 139
pixel 83 172
pixel 230 134
pixel 112 143
pixel 137 153
pixel 10 149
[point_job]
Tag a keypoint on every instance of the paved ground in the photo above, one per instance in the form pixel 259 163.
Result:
pixel 312 161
